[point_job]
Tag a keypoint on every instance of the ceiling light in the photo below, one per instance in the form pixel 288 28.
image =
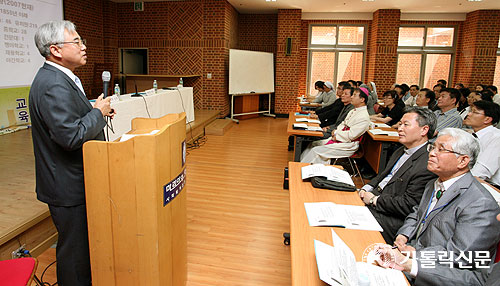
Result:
pixel 270 0
pixel 474 0
pixel 368 0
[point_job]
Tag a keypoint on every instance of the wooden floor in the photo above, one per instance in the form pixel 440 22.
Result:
pixel 237 209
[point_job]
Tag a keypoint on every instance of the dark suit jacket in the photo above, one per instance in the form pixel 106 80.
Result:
pixel 403 191
pixel 462 220
pixel 329 114
pixel 62 120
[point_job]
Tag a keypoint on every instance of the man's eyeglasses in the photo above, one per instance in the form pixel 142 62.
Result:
pixel 441 149
pixel 78 42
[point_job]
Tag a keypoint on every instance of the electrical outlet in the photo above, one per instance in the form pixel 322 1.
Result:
pixel 209 75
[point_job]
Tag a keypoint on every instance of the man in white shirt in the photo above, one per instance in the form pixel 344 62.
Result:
pixel 412 99
pixel 456 214
pixel 448 116
pixel 496 96
pixel 483 117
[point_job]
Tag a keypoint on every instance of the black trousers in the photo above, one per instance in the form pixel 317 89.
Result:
pixel 72 252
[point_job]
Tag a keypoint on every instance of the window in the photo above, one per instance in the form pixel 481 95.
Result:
pixel 425 55
pixel 336 53
pixel 496 79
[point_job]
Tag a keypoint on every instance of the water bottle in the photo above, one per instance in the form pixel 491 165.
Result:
pixel 181 83
pixel 155 85
pixel 117 89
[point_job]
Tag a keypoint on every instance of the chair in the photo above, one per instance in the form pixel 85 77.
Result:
pixel 357 155
pixel 18 272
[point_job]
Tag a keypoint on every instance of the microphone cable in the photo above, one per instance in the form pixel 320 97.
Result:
pixel 200 141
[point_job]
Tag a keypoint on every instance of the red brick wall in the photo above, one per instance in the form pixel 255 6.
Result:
pixel 477 57
pixel 87 16
pixel 287 67
pixel 258 32
pixel 383 43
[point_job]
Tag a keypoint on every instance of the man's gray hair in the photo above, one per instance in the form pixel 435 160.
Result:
pixel 463 143
pixel 424 117
pixel 51 33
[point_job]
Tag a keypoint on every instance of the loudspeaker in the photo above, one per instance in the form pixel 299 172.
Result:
pixel 288 48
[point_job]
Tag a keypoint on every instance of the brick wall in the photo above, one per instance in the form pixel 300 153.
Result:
pixel 88 19
pixel 258 32
pixel 287 67
pixel 477 57
pixel 383 43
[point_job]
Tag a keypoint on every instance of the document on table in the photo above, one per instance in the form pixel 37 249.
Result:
pixel 314 128
pixel 331 173
pixel 379 124
pixel 300 114
pixel 493 192
pixel 345 216
pixel 383 132
pixel 300 125
pixel 337 266
pixel 302 119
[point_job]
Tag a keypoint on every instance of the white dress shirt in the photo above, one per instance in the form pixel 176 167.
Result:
pixel 487 165
pixel 69 73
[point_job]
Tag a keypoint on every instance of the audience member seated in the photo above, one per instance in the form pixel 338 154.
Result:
pixel 329 114
pixel 327 97
pixel 437 89
pixel 345 140
pixel 393 193
pixel 459 86
pixel 456 214
pixel 442 82
pixel 346 99
pixel 487 95
pixel 448 115
pixel 400 91
pixel 318 85
pixel 480 87
pixel 392 112
pixel 372 98
pixel 426 98
pixel 438 274
pixel 494 90
pixel 482 118
pixel 412 99
pixel 463 105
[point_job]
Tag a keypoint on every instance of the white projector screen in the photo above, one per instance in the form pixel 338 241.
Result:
pixel 19 20
pixel 250 72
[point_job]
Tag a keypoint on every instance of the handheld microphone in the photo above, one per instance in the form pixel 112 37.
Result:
pixel 106 76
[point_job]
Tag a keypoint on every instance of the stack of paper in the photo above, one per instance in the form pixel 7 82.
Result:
pixel 383 132
pixel 300 114
pixel 300 125
pixel 314 128
pixel 337 266
pixel 344 216
pixel 331 173
pixel 302 119
pixel 126 137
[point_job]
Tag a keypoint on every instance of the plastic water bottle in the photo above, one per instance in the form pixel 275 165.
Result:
pixel 117 89
pixel 181 83
pixel 155 85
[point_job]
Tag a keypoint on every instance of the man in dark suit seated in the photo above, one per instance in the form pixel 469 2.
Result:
pixel 393 193
pixel 62 120
pixel 439 274
pixel 455 219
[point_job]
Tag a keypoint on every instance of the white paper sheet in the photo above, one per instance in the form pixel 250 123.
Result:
pixel 330 172
pixel 345 216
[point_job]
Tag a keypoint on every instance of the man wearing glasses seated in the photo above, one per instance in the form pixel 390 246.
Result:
pixel 456 216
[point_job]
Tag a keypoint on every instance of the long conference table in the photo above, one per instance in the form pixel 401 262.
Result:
pixel 154 106
pixel 304 268
pixel 300 136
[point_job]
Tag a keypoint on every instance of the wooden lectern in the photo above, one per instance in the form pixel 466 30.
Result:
pixel 136 205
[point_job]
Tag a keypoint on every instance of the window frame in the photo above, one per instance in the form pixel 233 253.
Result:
pixel 336 48
pixel 426 50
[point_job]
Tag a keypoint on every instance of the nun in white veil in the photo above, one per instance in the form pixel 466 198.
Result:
pixel 372 97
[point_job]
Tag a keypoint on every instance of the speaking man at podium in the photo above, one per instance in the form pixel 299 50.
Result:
pixel 63 119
